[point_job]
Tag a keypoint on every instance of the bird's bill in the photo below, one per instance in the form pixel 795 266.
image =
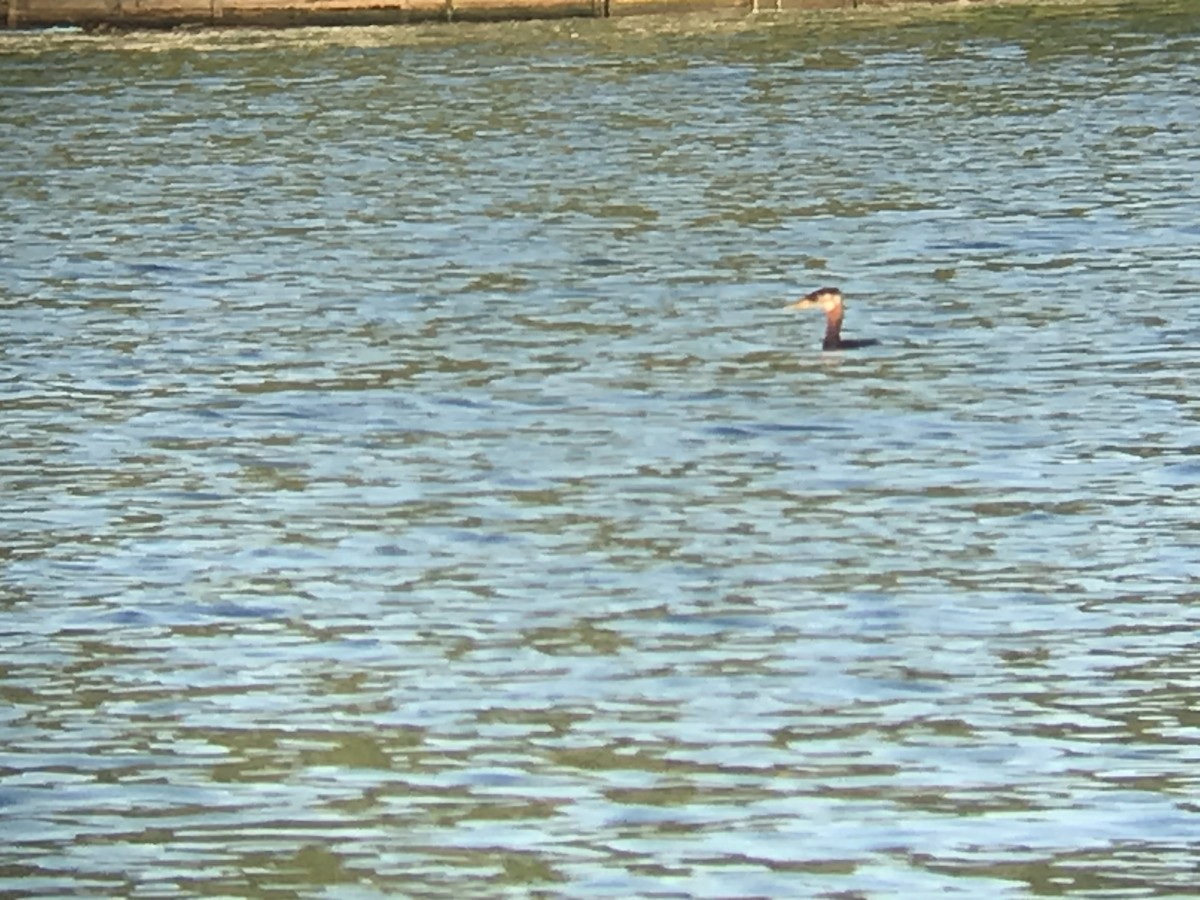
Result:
pixel 803 303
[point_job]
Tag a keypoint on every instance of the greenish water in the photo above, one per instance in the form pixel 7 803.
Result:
pixel 411 484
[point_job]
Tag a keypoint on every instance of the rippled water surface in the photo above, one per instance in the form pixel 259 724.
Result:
pixel 411 484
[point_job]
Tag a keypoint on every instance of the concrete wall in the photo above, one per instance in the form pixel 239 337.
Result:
pixel 169 13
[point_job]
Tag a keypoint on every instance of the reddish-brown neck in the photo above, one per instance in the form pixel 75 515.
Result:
pixel 833 327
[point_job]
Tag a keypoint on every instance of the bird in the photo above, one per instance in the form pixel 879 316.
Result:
pixel 829 299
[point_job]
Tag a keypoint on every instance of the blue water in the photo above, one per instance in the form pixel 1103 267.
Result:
pixel 412 484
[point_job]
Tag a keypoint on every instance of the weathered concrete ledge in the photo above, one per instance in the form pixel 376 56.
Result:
pixel 129 14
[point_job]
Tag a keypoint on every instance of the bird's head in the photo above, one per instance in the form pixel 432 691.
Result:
pixel 827 299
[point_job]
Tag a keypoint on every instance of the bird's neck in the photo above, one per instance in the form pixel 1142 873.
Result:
pixel 833 329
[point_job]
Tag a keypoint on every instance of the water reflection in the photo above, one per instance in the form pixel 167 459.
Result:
pixel 412 482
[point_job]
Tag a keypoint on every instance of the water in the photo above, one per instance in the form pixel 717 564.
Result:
pixel 412 485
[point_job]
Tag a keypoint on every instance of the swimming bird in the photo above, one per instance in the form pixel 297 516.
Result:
pixel 830 300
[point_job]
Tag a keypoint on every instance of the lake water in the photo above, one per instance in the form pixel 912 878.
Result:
pixel 411 483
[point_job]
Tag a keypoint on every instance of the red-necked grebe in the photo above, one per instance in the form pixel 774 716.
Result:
pixel 830 300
